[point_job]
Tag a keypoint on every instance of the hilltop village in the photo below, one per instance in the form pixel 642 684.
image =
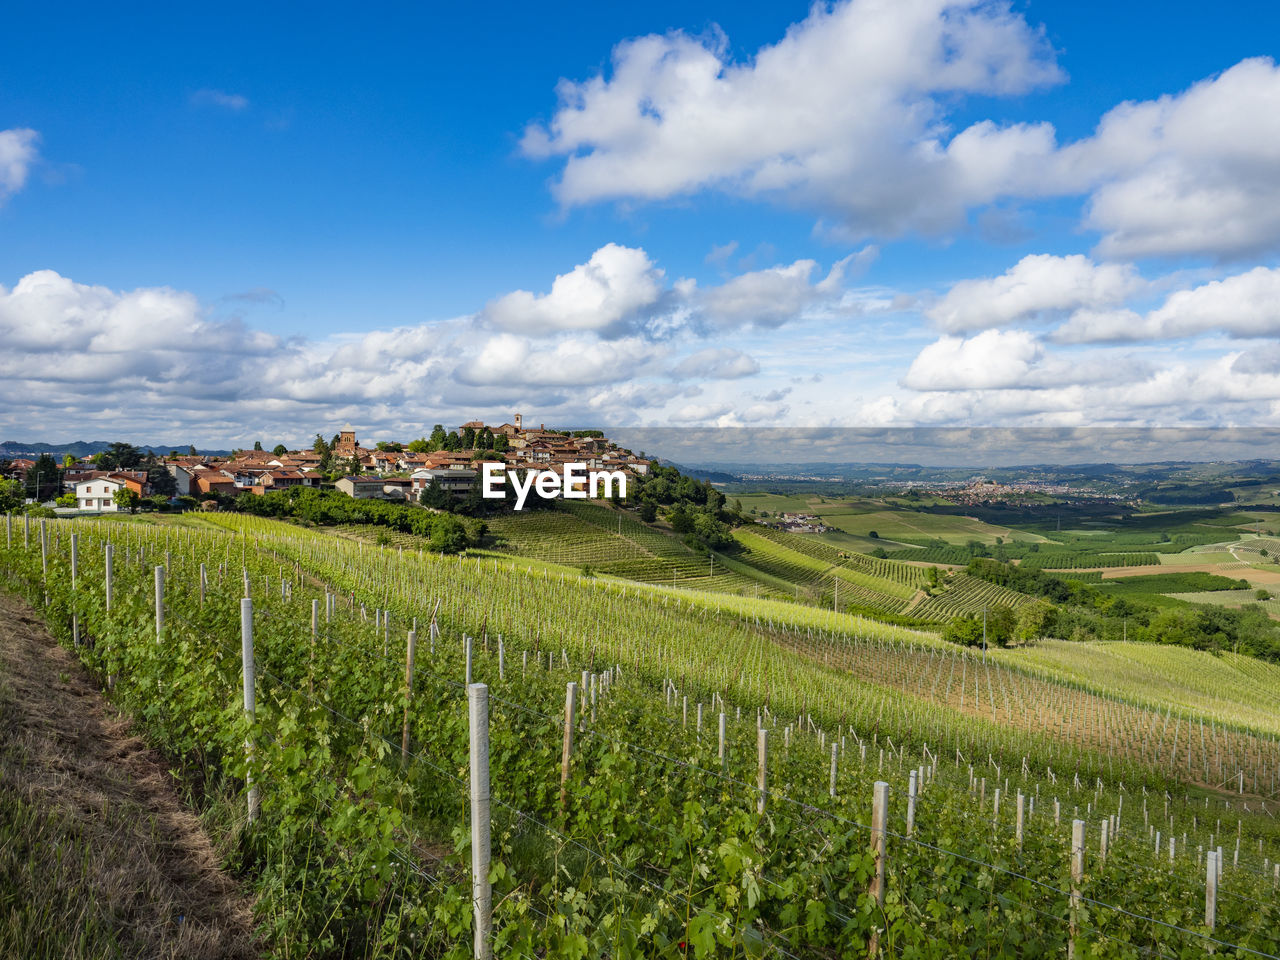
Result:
pixel 446 461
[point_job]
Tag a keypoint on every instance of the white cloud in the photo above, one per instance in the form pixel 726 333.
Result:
pixel 234 102
pixel 843 112
pixel 17 154
pixel 1038 286
pixel 994 358
pixel 848 115
pixel 721 363
pixel 1243 305
pixel 770 297
pixel 602 295
pixel 1187 174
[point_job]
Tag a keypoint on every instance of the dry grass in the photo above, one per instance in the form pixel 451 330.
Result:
pixel 98 856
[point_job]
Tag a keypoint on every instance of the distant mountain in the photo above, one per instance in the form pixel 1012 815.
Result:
pixel 10 449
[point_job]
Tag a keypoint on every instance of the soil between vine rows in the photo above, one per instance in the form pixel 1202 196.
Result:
pixel 105 856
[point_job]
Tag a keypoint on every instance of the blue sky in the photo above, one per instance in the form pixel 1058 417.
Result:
pixel 220 225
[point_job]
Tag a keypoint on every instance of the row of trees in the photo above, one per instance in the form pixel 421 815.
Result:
pixel 1073 610
pixel 446 532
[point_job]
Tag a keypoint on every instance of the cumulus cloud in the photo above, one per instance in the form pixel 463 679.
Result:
pixel 17 154
pixel 848 114
pixel 1037 287
pixel 721 363
pixel 234 102
pixel 602 295
pixel 1243 305
pixel 770 297
pixel 843 112
pixel 1192 173
pixel 994 358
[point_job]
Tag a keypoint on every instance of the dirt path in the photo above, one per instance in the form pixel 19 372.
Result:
pixel 143 873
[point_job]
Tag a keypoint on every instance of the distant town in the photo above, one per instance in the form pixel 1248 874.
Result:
pixel 446 462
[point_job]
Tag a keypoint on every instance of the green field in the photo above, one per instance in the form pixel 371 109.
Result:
pixel 598 861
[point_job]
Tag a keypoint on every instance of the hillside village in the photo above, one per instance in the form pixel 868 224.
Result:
pixel 388 470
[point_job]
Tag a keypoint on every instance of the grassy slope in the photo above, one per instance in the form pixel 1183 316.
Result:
pixel 1229 688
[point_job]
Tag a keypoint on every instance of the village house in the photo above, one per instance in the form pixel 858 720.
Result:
pixel 98 493
pixel 361 488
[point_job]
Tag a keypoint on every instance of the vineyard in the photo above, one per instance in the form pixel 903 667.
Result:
pixel 667 771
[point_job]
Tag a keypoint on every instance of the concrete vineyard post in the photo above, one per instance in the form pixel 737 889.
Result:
pixel 566 752
pixel 411 651
pixel 248 672
pixel 502 659
pixel 762 766
pixel 75 574
pixel 912 785
pixel 1077 876
pixel 106 577
pixel 879 842
pixel 481 892
pixel 159 603
pixel 1211 889
pixel 721 752
pixel 834 761
pixel 466 643
pixel 1018 821
pixel 44 553
pixel 204 579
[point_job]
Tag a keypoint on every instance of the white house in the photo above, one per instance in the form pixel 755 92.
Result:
pixel 97 494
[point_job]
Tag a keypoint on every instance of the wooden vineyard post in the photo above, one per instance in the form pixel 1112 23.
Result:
pixel 1211 889
pixel 159 603
pixel 762 766
pixel 566 752
pixel 879 840
pixel 106 577
pixel 912 785
pixel 249 674
pixel 410 652
pixel 1077 876
pixel 721 752
pixel 481 891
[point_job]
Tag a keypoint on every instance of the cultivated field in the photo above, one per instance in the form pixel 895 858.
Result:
pixel 643 830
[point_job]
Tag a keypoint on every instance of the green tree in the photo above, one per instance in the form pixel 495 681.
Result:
pixel 501 443
pixel 126 499
pixel 648 511
pixel 67 499
pixel 191 452
pixel 448 534
pixel 319 446
pixel 469 438
pixel 11 495
pixel 120 456
pixel 437 437
pixel 257 445
pixel 280 450
pixel 435 496
pixel 44 480
pixel 1033 620
pixel 421 445
pixel 68 461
